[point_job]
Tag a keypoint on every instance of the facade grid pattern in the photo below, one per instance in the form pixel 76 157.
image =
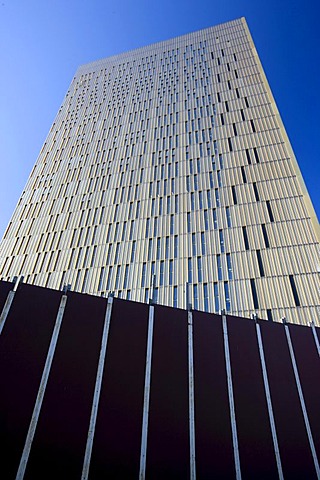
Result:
pixel 165 165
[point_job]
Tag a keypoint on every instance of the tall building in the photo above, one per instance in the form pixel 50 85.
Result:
pixel 170 165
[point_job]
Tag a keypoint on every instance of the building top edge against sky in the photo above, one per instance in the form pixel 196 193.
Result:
pixel 162 43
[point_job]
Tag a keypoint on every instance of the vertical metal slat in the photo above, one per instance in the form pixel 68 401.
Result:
pixel 7 305
pixel 145 419
pixel 231 399
pixel 302 402
pixel 269 402
pixel 41 391
pixel 97 390
pixel 191 400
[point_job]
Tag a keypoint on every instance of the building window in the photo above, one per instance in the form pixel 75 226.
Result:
pixel 229 266
pixel 146 295
pixel 133 251
pixel 143 276
pixel 203 243
pixel 221 238
pixel 101 279
pixel 175 247
pixel 254 293
pixel 256 193
pixel 194 245
pixel 234 195
pixel 175 297
pixel 170 272
pixel 189 270
pixel 228 215
pixel 206 297
pixel 126 274
pixel 227 296
pixel 248 156
pixel 217 197
pixel 158 248
pixel 206 220
pixel 192 201
pixel 216 297
pixel 155 226
pixel 260 264
pixel 294 291
pixel 150 249
pixel 199 262
pixel 188 222
pixel 265 235
pixel 195 297
pixel 161 273
pixel 219 267
pixel 117 277
pixel 245 238
pixel 270 211
pixel 215 220
pixel 109 279
pixel 171 224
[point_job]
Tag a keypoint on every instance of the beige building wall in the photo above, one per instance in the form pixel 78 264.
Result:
pixel 170 164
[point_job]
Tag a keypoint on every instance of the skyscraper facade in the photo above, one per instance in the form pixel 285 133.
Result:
pixel 165 166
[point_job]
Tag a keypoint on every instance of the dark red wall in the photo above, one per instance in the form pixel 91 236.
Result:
pixel 59 442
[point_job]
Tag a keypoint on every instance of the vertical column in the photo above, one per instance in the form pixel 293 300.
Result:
pixel 97 390
pixel 146 398
pixel 302 402
pixel 269 402
pixel 231 399
pixel 315 336
pixel 41 391
pixel 191 399
pixel 7 305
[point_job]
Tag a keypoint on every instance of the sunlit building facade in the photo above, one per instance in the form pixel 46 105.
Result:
pixel 166 166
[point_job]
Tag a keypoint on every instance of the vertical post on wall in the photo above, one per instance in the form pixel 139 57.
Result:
pixel 187 293
pixel 269 402
pixel 231 397
pixel 146 399
pixel 41 391
pixel 315 336
pixel 191 399
pixel 9 300
pixel 301 397
pixel 97 390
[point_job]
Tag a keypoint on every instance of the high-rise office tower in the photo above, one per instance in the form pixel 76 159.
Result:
pixel 166 165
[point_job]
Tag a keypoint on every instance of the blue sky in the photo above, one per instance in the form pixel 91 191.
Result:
pixel 43 42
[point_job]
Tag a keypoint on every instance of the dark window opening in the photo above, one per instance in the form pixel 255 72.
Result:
pixel 245 238
pixel 256 155
pixel 235 130
pixel 294 291
pixel 270 211
pixel 259 258
pixel 230 144
pixel 265 235
pixel 269 315
pixel 234 195
pixel 256 193
pixel 248 156
pixel 254 293
pixel 244 178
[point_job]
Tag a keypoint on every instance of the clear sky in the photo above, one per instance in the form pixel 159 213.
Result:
pixel 43 42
